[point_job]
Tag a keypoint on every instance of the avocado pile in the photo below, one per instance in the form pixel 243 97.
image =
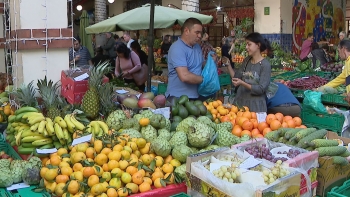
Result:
pixel 182 108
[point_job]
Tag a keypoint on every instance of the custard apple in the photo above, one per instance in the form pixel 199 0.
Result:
pixel 167 124
pixel 244 138
pixel 149 133
pixel 115 120
pixel 147 114
pixel 35 161
pixel 132 133
pixel 181 152
pixel 158 121
pixel 31 176
pixel 200 135
pixel 161 147
pixel 131 123
pixel 185 124
pixel 206 120
pixel 181 171
pixel 194 150
pixel 164 133
pixel 137 117
pixel 227 126
pixel 16 170
pixel 178 139
pixel 4 164
pixel 6 179
pixel 225 138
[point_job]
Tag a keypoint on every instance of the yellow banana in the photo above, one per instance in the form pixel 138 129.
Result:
pixel 100 133
pixel 18 138
pixel 88 129
pixel 77 124
pixel 36 119
pixel 58 131
pixel 95 126
pixel 60 121
pixel 46 134
pixel 70 125
pixel 67 136
pixel 35 126
pixel 32 115
pixel 49 127
pixel 104 126
pixel 41 126
pixel 24 127
pixel 28 132
pixel 32 138
pixel 42 142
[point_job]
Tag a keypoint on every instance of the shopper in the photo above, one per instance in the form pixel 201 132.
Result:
pixel 185 61
pixel 206 46
pixel 79 54
pixel 109 46
pixel 99 57
pixel 284 102
pixel 127 63
pixel 225 49
pixel 253 78
pixel 135 46
pixel 319 54
pixel 165 45
pixel 127 39
pixel 306 47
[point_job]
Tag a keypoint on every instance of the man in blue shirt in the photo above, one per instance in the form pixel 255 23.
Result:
pixel 284 102
pixel 185 61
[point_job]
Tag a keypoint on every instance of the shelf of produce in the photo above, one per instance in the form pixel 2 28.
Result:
pixel 24 157
pixel 289 75
pixel 166 191
pixel 4 146
pixel 342 191
pixel 24 192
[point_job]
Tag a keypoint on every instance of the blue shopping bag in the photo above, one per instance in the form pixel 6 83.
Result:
pixel 211 83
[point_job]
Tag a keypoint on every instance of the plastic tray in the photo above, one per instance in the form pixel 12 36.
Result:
pixel 4 146
pixel 225 79
pixel 342 191
pixel 180 195
pixel 24 192
pixel 162 88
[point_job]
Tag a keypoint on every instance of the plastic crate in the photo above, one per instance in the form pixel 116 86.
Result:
pixel 180 195
pixel 327 98
pixel 339 100
pixel 225 79
pixel 297 93
pixel 4 146
pixel 24 192
pixel 289 75
pixel 162 88
pixel 342 191
pixel 331 122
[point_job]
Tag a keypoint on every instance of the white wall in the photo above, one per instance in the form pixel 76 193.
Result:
pixel 2 55
pixel 267 24
pixel 33 12
pixel 287 16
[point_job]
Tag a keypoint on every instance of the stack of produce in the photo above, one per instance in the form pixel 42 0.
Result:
pixel 332 67
pixel 144 100
pixel 312 139
pixel 307 83
pixel 238 58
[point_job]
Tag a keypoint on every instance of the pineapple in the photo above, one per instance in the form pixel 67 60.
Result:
pixel 107 98
pixel 91 99
pixel 48 92
pixel 25 95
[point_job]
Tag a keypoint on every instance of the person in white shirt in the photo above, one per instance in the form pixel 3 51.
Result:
pixel 127 39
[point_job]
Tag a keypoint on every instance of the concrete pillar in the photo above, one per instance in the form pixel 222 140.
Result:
pixel 40 39
pixel 2 39
pixel 190 5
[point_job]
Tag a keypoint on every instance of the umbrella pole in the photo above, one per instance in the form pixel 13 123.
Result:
pixel 150 45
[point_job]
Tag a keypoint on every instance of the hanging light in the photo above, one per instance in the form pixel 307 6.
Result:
pixel 110 1
pixel 79 7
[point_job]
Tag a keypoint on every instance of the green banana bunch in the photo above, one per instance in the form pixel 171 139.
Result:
pixel 78 125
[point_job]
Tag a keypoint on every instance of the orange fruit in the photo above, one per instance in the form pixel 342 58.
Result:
pixel 262 126
pixel 241 120
pixel 43 171
pixel 275 124
pixel 224 119
pixel 168 168
pixel 93 180
pixel 112 164
pixel 118 148
pixel 172 178
pixel 88 171
pixel 62 178
pixel 55 160
pixel 247 114
pixel 279 117
pixel 66 171
pixel 266 130
pixel 215 104
pixel 137 178
pixel 144 187
pixel 51 174
pixel 157 183
pixel 131 170
pixel 255 123
pixel 214 111
pixel 90 153
pixel 303 126
pixel 297 121
pixel 255 132
pixel 286 118
pixel 284 125
pixel 156 175
pixel 101 159
pixel 62 151
pixel 98 145
pixel 291 123
pixel 148 180
pixel 270 118
pixel 77 167
pixel 259 136
pixel 106 151
pixel 236 130
pixel 105 167
pixel 134 188
pixel 111 192
pixel 234 109
pixel 73 187
pixel 253 115
pixel 246 132
pixel 144 122
pixel 247 125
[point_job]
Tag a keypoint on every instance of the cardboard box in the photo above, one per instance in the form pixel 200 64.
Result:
pixel 313 189
pixel 74 90
pixel 286 186
pixel 330 175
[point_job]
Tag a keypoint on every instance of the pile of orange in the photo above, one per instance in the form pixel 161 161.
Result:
pixel 245 122
pixel 99 169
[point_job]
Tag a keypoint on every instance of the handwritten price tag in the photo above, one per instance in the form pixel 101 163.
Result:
pixel 83 139
pixel 261 116
pixel 46 151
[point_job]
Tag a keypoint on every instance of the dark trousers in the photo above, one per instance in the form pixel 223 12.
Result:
pixel 293 110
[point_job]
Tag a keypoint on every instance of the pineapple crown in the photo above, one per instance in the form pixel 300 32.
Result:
pixel 26 95
pixel 107 97
pixel 48 92
pixel 97 74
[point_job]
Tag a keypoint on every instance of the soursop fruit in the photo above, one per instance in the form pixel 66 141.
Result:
pixel 131 123
pixel 164 133
pixel 147 114
pixel 227 126
pixel 206 120
pixel 149 133
pixel 132 133
pixel 181 171
pixel 181 153
pixel 244 138
pixel 185 124
pixel 4 164
pixel 6 179
pixel 225 138
pixel 34 161
pixel 137 117
pixel 161 147
pixel 158 121
pixel 178 139
pixel 194 150
pixel 115 119
pixel 31 176
pixel 16 170
pixel 200 135
pixel 167 124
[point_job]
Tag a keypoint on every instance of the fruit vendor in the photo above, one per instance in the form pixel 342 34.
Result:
pixel 344 77
pixel 284 102
pixel 79 55
pixel 185 61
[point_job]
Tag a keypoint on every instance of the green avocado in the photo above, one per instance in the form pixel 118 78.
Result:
pixel 175 110
pixel 192 109
pixel 202 109
pixel 177 119
pixel 183 113
pixel 183 99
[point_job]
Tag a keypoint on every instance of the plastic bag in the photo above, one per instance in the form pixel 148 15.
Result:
pixel 345 132
pixel 312 100
pixel 211 83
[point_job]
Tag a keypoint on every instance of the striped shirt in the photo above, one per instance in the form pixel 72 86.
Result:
pixel 343 78
pixel 84 56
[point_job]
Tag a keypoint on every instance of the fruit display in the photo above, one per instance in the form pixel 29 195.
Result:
pixel 182 108
pixel 218 51
pixel 145 100
pixel 332 67
pixel 307 83
pixel 163 79
pixel 238 58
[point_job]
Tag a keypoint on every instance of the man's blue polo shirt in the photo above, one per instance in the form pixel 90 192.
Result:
pixel 182 55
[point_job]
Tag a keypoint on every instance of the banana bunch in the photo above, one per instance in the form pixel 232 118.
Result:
pixel 97 128
pixel 4 97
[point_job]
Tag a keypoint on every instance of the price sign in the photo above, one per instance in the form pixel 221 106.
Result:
pixel 261 116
